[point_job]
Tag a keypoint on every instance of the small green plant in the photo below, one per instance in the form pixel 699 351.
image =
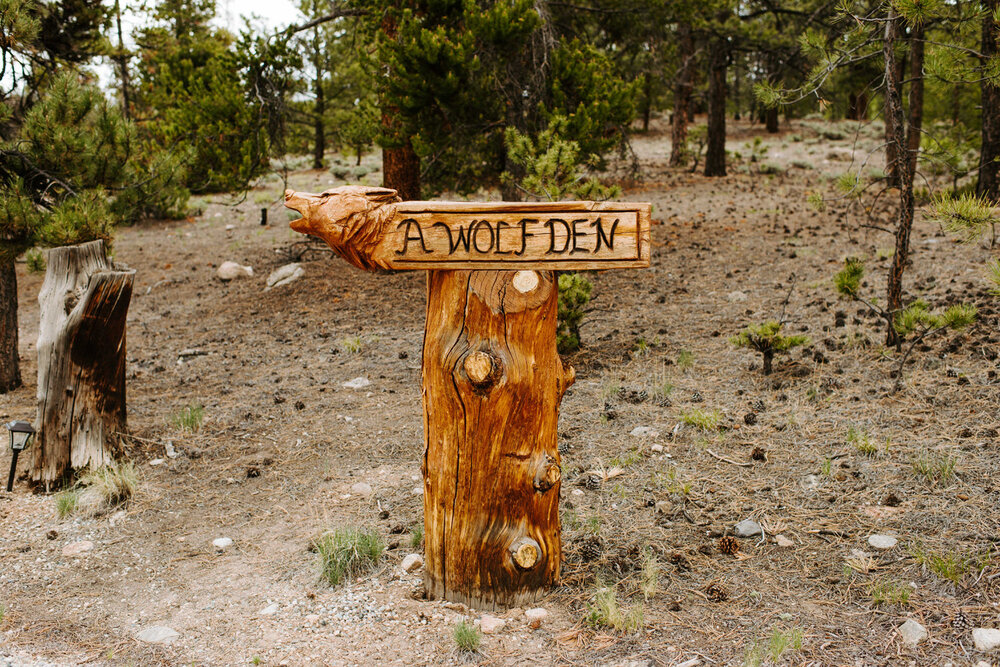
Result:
pixel 888 593
pixel 661 393
pixel 350 344
pixel 35 260
pixel 766 338
pixel 827 468
pixel 605 611
pixel 685 359
pixel 256 660
pixel 626 459
pixel 348 552
pixel 950 566
pixel 593 525
pixel 847 281
pixel 934 467
pixel 574 295
pixel 782 641
pixel 706 420
pixel 66 502
pixel 670 480
pixel 864 444
pixel 99 490
pixel 641 347
pixel 650 580
pixel 467 637
pixel 3 612
pixel 189 419
pixel 416 536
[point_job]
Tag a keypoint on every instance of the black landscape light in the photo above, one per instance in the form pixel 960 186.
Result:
pixel 21 433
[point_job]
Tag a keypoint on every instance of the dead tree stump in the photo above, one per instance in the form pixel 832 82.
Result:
pixel 84 301
pixel 492 383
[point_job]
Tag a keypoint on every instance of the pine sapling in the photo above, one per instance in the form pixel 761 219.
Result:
pixel 574 295
pixel 766 338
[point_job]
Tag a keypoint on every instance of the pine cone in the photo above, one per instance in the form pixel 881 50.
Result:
pixel 961 623
pixel 758 454
pixel 716 593
pixel 592 482
pixel 758 406
pixel 591 549
pixel 750 418
pixel 729 545
pixel 696 397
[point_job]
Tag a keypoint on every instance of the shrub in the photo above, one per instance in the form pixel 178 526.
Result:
pixel 766 338
pixel 348 552
pixel 574 295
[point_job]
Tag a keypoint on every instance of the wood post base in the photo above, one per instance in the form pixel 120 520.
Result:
pixel 492 384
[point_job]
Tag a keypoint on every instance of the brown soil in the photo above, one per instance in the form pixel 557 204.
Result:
pixel 283 442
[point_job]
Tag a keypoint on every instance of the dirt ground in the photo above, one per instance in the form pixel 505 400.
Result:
pixel 283 441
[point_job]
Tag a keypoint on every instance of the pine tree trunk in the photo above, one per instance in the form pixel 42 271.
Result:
pixel 892 151
pixel 989 156
pixel 122 64
pixel 84 301
pixel 682 97
pixel 400 164
pixel 319 108
pixel 904 219
pixel 492 384
pixel 715 154
pixel 916 120
pixel 771 120
pixel 10 364
pixel 768 361
pixel 647 100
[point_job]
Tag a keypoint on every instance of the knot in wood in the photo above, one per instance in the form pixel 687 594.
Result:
pixel 481 368
pixel 548 475
pixel 525 552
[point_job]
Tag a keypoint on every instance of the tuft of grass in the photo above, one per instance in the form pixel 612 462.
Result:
pixel 950 566
pixel 348 552
pixel 650 579
pixel 350 344
pixel 706 420
pixel 685 359
pixel 626 459
pixel 467 637
pixel 783 640
pixel 99 490
pixel 417 536
pixel 610 391
pixel 934 467
pixel 864 444
pixel 606 612
pixel 671 482
pixel 888 592
pixel 189 419
pixel 66 502
pixel 3 612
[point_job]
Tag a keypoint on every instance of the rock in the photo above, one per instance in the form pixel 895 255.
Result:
pixel 158 634
pixel 361 489
pixel 288 273
pixel 222 543
pixel 656 448
pixel 986 639
pixel 882 542
pixel 535 616
pixel 748 528
pixel 171 451
pixel 783 542
pixel 157 462
pixel 269 610
pixel 231 270
pixel 77 548
pixel 810 482
pixel 646 431
pixel 490 624
pixel 357 383
pixel 413 562
pixel 417 491
pixel 576 492
pixel 912 632
pixel 663 507
pixel 737 297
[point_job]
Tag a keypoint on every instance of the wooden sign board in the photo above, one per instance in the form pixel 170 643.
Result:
pixel 424 235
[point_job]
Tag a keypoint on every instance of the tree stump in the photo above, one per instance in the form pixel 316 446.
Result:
pixel 492 383
pixel 84 301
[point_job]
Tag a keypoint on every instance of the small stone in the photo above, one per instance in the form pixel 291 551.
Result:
pixel 490 624
pixel 737 297
pixel 577 492
pixel 284 275
pixel 157 462
pixel 361 489
pixel 912 632
pixel 413 562
pixel 231 270
pixel 417 491
pixel 357 383
pixel 662 507
pixel 77 548
pixel 748 528
pixel 158 634
pixel 882 542
pixel 535 616
pixel 645 431
pixel 811 482
pixel 783 542
pixel 222 543
pixel 986 639
pixel 269 610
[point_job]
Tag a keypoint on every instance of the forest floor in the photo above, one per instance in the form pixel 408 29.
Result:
pixel 283 441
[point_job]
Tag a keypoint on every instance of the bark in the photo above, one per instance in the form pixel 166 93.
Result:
pixel 989 157
pixel 84 301
pixel 400 164
pixel 857 105
pixel 768 361
pixel 10 367
pixel 916 120
pixel 492 384
pixel 682 97
pixel 647 100
pixel 715 153
pixel 122 63
pixel 771 120
pixel 892 149
pixel 319 109
pixel 904 219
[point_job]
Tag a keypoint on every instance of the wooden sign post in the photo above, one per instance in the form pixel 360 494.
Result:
pixel 492 379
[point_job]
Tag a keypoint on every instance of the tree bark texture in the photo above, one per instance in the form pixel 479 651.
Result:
pixel 914 127
pixel 10 364
pixel 319 109
pixel 715 153
pixel 84 301
pixel 989 157
pixel 682 97
pixel 492 384
pixel 904 216
pixel 892 150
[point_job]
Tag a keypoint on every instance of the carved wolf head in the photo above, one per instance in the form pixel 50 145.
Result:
pixel 351 219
